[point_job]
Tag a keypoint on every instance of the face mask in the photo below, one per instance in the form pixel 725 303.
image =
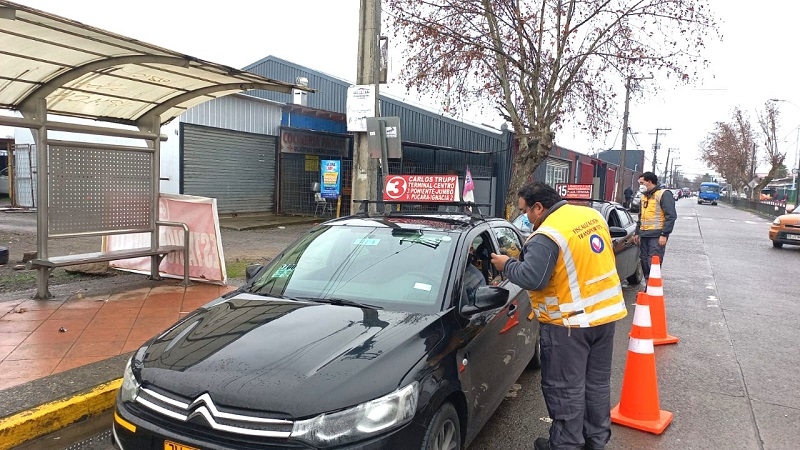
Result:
pixel 642 188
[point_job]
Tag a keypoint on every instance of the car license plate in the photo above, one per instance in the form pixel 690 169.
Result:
pixel 169 445
pixel 793 237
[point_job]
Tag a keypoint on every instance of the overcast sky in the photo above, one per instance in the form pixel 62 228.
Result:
pixel 754 62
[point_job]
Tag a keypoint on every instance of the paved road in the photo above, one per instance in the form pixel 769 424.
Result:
pixel 733 379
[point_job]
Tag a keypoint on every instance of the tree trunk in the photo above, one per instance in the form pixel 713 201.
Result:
pixel 530 154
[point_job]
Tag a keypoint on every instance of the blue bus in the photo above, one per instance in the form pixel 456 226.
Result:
pixel 709 192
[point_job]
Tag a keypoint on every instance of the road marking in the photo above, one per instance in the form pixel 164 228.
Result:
pixel 751 222
pixel 712 302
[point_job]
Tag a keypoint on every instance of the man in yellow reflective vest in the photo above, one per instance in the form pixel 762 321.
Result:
pixel 568 267
pixel 656 220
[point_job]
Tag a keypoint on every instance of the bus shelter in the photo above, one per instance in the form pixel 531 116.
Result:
pixel 51 66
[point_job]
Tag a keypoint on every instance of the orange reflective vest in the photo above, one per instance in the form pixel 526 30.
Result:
pixel 651 216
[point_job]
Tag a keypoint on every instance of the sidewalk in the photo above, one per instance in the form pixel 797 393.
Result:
pixel 60 351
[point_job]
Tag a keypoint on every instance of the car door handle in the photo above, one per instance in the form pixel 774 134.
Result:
pixel 512 309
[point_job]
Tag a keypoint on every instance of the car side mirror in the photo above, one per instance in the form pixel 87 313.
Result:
pixel 486 298
pixel 251 271
pixel 618 232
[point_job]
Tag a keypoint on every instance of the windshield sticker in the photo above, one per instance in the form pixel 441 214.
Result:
pixel 366 241
pixel 284 271
pixel 422 287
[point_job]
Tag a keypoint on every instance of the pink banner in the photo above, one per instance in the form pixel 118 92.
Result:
pixel 206 259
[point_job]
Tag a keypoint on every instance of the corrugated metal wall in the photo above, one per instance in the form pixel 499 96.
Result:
pixel 331 92
pixel 236 112
pixel 236 168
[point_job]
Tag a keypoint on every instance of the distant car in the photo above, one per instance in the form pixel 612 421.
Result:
pixel 371 331
pixel 686 192
pixel 785 229
pixel 4 181
pixel 619 220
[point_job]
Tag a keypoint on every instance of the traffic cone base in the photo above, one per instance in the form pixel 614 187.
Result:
pixel 667 340
pixel 651 426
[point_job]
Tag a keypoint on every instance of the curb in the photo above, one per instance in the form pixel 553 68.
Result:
pixel 53 416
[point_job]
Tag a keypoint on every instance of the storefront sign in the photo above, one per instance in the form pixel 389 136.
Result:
pixel 330 178
pixel 574 191
pixel 421 188
pixel 313 143
pixel 360 105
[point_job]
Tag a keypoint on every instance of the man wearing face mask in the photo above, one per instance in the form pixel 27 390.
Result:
pixel 569 269
pixel 656 220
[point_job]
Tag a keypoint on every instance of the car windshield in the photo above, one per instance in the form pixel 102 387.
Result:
pixel 709 188
pixel 388 267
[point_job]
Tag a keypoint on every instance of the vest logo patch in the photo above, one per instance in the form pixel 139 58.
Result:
pixel 597 244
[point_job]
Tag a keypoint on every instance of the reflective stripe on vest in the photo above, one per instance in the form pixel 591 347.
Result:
pixel 653 217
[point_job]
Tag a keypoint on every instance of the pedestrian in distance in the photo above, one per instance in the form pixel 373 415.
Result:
pixel 656 220
pixel 568 267
pixel 628 197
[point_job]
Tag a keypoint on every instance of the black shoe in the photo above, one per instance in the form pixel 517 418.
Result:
pixel 541 444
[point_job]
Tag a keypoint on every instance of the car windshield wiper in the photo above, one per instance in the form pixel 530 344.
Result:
pixel 339 302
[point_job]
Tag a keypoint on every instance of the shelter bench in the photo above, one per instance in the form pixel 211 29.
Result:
pixel 159 253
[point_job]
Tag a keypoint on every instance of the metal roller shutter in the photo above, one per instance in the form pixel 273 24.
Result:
pixel 235 167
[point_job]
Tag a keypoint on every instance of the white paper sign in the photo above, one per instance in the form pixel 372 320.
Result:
pixel 360 105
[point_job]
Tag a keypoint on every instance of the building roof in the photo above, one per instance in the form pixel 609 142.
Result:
pixel 91 73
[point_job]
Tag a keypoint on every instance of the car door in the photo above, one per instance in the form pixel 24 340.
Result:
pixel 484 359
pixel 624 248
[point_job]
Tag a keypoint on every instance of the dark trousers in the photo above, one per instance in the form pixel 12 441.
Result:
pixel 576 383
pixel 648 247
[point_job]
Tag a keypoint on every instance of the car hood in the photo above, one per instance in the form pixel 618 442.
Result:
pixel 790 219
pixel 289 358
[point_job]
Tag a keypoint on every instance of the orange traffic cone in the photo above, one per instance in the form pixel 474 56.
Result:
pixel 638 404
pixel 658 308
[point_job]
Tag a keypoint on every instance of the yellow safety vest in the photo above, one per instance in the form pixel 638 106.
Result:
pixel 584 290
pixel 652 217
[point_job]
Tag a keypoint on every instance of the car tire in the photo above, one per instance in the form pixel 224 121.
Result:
pixel 444 430
pixel 713 203
pixel 638 275
pixel 536 361
pixel 777 244
pixel 699 202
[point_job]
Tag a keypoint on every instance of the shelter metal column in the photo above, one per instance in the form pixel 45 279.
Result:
pixel 36 110
pixel 153 125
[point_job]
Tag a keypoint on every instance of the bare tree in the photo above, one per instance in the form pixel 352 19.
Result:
pixel 541 63
pixel 730 149
pixel 769 125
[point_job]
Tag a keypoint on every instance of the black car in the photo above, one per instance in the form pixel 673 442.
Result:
pixel 622 227
pixel 372 331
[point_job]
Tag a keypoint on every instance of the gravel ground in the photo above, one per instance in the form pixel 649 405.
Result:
pixel 18 234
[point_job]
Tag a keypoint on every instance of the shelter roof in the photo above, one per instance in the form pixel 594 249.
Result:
pixel 91 73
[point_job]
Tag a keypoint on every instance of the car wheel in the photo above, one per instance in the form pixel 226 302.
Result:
pixel 637 276
pixel 777 244
pixel 699 202
pixel 444 430
pixel 713 203
pixel 536 361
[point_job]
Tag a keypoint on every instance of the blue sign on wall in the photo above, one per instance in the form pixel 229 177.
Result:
pixel 330 178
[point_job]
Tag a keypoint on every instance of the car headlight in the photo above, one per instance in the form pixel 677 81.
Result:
pixel 777 221
pixel 360 422
pixel 130 387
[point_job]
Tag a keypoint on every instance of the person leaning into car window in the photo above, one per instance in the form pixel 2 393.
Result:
pixel 656 220
pixel 568 267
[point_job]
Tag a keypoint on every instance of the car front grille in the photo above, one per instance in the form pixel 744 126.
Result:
pixel 202 419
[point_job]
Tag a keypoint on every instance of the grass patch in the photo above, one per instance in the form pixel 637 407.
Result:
pixel 236 269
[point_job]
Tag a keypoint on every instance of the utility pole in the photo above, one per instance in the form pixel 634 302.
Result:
pixel 655 147
pixel 365 169
pixel 621 178
pixel 666 168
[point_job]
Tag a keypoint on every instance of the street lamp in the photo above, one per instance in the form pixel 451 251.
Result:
pixel 795 168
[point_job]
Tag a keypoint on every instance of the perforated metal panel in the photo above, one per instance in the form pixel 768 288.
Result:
pixel 99 190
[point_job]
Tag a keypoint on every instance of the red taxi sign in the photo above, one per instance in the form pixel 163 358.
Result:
pixel 574 191
pixel 421 188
